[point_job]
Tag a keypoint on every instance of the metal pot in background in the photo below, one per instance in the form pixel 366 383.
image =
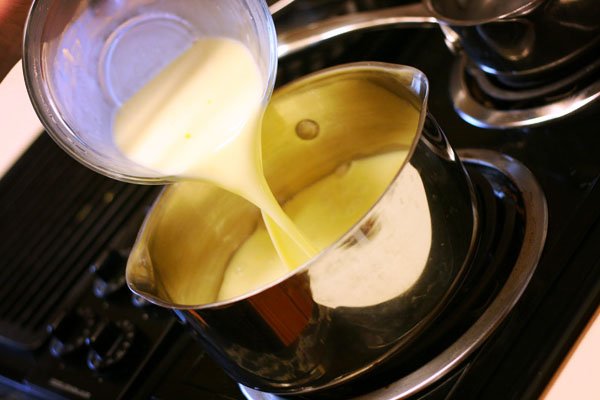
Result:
pixel 522 40
pixel 526 39
pixel 363 299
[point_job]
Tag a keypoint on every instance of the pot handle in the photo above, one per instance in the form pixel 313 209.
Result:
pixel 405 16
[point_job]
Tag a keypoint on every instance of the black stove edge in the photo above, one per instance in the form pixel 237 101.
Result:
pixel 535 350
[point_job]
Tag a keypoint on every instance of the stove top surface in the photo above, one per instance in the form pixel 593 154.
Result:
pixel 58 218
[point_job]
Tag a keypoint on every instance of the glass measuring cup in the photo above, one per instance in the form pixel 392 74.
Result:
pixel 84 59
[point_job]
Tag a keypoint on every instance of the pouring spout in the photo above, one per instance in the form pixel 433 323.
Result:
pixel 186 242
pixel 141 277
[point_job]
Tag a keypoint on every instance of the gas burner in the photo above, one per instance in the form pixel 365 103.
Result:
pixel 487 102
pixel 514 223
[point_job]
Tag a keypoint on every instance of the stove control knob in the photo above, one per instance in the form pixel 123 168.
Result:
pixel 110 273
pixel 110 344
pixel 70 331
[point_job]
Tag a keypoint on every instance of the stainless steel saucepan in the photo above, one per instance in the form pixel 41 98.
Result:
pixel 367 296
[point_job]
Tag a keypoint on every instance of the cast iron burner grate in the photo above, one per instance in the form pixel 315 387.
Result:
pixel 56 217
pixel 513 218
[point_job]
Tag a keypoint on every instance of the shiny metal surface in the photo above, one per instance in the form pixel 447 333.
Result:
pixel 276 6
pixel 405 16
pixel 484 116
pixel 536 225
pixel 477 12
pixel 537 92
pixel 537 40
pixel 518 39
pixel 362 299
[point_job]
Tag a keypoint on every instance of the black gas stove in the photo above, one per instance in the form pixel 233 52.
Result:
pixel 69 327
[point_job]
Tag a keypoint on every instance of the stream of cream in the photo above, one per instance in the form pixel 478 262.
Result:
pixel 200 119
